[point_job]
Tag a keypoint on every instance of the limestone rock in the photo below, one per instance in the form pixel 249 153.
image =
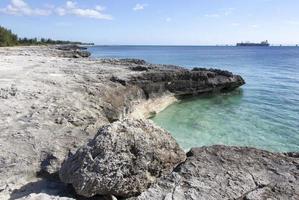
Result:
pixel 220 172
pixel 123 159
pixel 44 196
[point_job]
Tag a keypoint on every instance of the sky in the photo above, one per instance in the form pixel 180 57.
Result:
pixel 154 22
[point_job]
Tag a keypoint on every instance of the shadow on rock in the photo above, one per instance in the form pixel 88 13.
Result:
pixel 52 188
pixel 46 186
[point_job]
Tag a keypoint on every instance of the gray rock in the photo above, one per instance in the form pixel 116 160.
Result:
pixel 73 51
pixel 43 196
pixel 133 61
pixel 123 159
pixel 70 47
pixel 220 172
pixel 183 82
pixel 81 54
pixel 60 103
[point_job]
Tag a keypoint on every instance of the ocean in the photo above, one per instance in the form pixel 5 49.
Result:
pixel 264 113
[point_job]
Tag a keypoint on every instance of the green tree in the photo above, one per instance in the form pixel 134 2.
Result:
pixel 7 38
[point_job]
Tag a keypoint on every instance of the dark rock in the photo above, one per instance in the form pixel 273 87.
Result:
pixel 71 47
pixel 133 61
pixel 185 82
pixel 73 51
pixel 50 164
pixel 81 54
pixel 217 71
pixel 221 172
pixel 139 68
pixel 292 154
pixel 123 159
pixel 118 80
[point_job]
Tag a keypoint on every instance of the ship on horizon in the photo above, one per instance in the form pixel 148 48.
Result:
pixel 244 44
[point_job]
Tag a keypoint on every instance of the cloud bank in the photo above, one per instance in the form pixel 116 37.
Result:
pixel 21 8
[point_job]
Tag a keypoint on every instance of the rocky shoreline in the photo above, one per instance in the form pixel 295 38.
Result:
pixel 53 101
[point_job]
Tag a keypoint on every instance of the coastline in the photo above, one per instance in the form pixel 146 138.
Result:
pixel 149 108
pixel 53 103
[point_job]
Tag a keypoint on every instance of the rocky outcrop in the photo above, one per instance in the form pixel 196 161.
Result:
pixel 51 104
pixel 148 82
pixel 156 80
pixel 70 47
pixel 73 51
pixel 220 172
pixel 123 159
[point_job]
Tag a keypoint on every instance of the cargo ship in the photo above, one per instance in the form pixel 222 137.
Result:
pixel 245 44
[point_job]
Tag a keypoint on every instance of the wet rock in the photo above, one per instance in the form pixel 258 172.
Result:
pixel 221 172
pixel 123 159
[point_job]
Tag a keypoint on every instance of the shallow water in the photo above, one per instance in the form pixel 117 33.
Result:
pixel 264 113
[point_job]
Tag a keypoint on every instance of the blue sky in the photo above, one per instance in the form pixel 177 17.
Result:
pixel 170 22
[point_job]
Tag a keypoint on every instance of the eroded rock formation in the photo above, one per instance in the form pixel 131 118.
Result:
pixel 186 82
pixel 221 172
pixel 123 159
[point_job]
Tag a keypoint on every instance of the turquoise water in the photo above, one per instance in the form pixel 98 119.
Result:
pixel 264 113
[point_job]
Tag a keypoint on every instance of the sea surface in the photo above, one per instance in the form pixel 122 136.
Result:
pixel 264 113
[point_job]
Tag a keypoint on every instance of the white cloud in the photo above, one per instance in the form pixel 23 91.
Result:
pixel 71 8
pixel 168 19
pixel 100 8
pixel 20 7
pixel 18 3
pixel 139 7
pixel 70 4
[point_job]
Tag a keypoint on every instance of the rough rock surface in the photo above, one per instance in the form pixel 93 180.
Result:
pixel 185 82
pixel 50 105
pixel 123 159
pixel 220 172
pixel 73 51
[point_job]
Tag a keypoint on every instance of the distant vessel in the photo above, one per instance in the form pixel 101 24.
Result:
pixel 263 44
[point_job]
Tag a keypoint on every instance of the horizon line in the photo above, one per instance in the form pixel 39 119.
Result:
pixel 195 45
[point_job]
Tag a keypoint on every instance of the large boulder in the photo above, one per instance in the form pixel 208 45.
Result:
pixel 123 159
pixel 220 172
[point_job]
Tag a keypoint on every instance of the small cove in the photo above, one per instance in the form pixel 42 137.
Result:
pixel 264 113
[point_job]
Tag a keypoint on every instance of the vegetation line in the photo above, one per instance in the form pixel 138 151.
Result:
pixel 8 38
